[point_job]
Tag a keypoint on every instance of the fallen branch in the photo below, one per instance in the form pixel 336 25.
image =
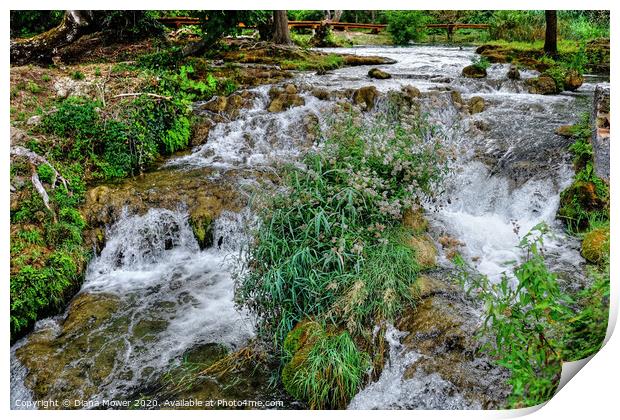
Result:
pixel 36 159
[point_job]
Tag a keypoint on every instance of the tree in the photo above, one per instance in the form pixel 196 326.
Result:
pixel 281 33
pixel 551 33
pixel 74 24
pixel 114 25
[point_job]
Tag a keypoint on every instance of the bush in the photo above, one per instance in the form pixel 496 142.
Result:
pixel 335 231
pixel 25 23
pixel 481 62
pixel 522 319
pixel 535 325
pixel 406 26
pixel 517 25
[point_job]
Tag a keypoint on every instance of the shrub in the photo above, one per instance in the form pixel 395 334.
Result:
pixel 536 326
pixel 522 319
pixel 405 26
pixel 334 232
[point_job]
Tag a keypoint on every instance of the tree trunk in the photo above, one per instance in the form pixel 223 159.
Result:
pixel 281 33
pixel 42 47
pixel 337 15
pixel 551 33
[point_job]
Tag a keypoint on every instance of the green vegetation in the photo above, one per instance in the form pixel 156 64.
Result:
pixel 406 26
pixel 324 368
pixel 481 62
pixel 586 200
pixel 47 257
pixel 333 247
pixel 86 140
pixel 536 326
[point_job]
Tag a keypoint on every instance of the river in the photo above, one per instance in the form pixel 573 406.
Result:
pixel 152 297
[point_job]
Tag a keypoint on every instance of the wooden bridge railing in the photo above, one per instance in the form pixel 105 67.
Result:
pixel 314 24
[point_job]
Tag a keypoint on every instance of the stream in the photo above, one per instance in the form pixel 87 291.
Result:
pixel 152 299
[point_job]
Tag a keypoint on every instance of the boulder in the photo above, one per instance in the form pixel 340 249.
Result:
pixel 320 93
pixel 217 104
pixel 411 91
pixel 542 85
pixel 365 97
pixel 378 74
pixel 285 101
pixel 474 72
pixel 513 73
pixel 291 89
pixel 476 105
pixel 572 80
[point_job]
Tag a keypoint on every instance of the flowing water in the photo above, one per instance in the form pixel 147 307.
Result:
pixel 152 295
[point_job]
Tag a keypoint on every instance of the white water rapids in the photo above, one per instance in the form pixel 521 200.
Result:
pixel 509 170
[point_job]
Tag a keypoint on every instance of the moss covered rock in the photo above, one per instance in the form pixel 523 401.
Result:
pixel 285 101
pixel 365 97
pixel 572 80
pixel 474 72
pixel 414 219
pixel 476 105
pixel 202 227
pixel 305 332
pixel 595 245
pixel 425 251
pixel 578 201
pixel 542 85
pixel 378 74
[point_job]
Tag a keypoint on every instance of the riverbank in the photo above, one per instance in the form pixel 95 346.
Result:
pixel 102 117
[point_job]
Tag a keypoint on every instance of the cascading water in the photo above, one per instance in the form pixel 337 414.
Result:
pixel 152 295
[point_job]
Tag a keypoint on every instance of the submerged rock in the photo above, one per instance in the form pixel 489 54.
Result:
pixel 513 73
pixel 476 105
pixel 365 97
pixel 72 360
pixel 474 72
pixel 378 74
pixel 441 329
